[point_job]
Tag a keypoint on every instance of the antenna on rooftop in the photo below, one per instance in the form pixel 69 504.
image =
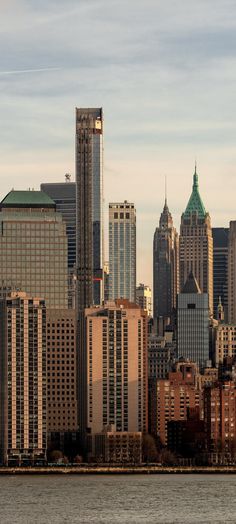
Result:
pixel 68 177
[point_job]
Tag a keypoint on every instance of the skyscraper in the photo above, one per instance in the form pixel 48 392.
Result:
pixel 232 273
pixel 220 267
pixel 116 367
pixel 89 206
pixel 62 415
pixel 23 375
pixel 33 247
pixel 64 195
pixel 122 251
pixel 165 266
pixel 196 244
pixel 193 323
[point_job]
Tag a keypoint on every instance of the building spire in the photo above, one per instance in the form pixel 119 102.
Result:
pixel 165 191
pixel 195 204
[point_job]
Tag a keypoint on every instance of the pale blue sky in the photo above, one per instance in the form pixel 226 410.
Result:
pixel 165 74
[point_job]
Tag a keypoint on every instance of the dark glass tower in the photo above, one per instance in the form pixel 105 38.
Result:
pixel 89 206
pixel 220 267
pixel 64 195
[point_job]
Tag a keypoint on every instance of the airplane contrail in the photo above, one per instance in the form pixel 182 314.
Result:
pixel 25 71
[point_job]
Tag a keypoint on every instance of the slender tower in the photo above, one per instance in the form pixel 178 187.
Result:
pixel 122 251
pixel 165 267
pixel 89 212
pixel 196 244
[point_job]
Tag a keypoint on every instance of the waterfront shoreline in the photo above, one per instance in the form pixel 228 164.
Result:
pixel 116 470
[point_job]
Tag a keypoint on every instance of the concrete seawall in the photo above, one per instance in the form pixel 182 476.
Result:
pixel 115 470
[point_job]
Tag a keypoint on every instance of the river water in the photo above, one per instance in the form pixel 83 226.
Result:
pixel 118 499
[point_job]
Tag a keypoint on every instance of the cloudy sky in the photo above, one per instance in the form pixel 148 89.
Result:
pixel 164 73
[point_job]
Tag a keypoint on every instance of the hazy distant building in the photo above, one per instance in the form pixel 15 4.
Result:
pixel 232 274
pixel 115 392
pixel 33 247
pixel 62 415
pixel 220 267
pixel 144 298
pixel 122 251
pixel 23 415
pixel 165 266
pixel 193 323
pixel 89 206
pixel 196 244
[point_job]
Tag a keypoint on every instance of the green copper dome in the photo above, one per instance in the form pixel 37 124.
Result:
pixel 195 203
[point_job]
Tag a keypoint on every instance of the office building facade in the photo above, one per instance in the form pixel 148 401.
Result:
pixel 196 244
pixel 33 247
pixel 193 323
pixel 89 206
pixel 62 409
pixel 122 251
pixel 23 414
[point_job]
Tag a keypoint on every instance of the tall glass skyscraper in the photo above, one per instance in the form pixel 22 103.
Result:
pixel 122 251
pixel 89 206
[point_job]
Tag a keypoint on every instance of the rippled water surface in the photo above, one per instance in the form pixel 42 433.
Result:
pixel 118 499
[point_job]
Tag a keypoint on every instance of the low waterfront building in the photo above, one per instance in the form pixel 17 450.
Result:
pixel 118 447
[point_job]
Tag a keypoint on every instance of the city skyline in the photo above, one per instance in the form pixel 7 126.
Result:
pixel 171 72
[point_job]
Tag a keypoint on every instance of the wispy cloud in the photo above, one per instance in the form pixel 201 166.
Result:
pixel 26 71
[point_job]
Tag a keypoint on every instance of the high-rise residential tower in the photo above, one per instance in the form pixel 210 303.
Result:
pixel 33 247
pixel 122 251
pixel 89 206
pixel 220 268
pixel 165 266
pixel 23 376
pixel 196 244
pixel 116 368
pixel 232 273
